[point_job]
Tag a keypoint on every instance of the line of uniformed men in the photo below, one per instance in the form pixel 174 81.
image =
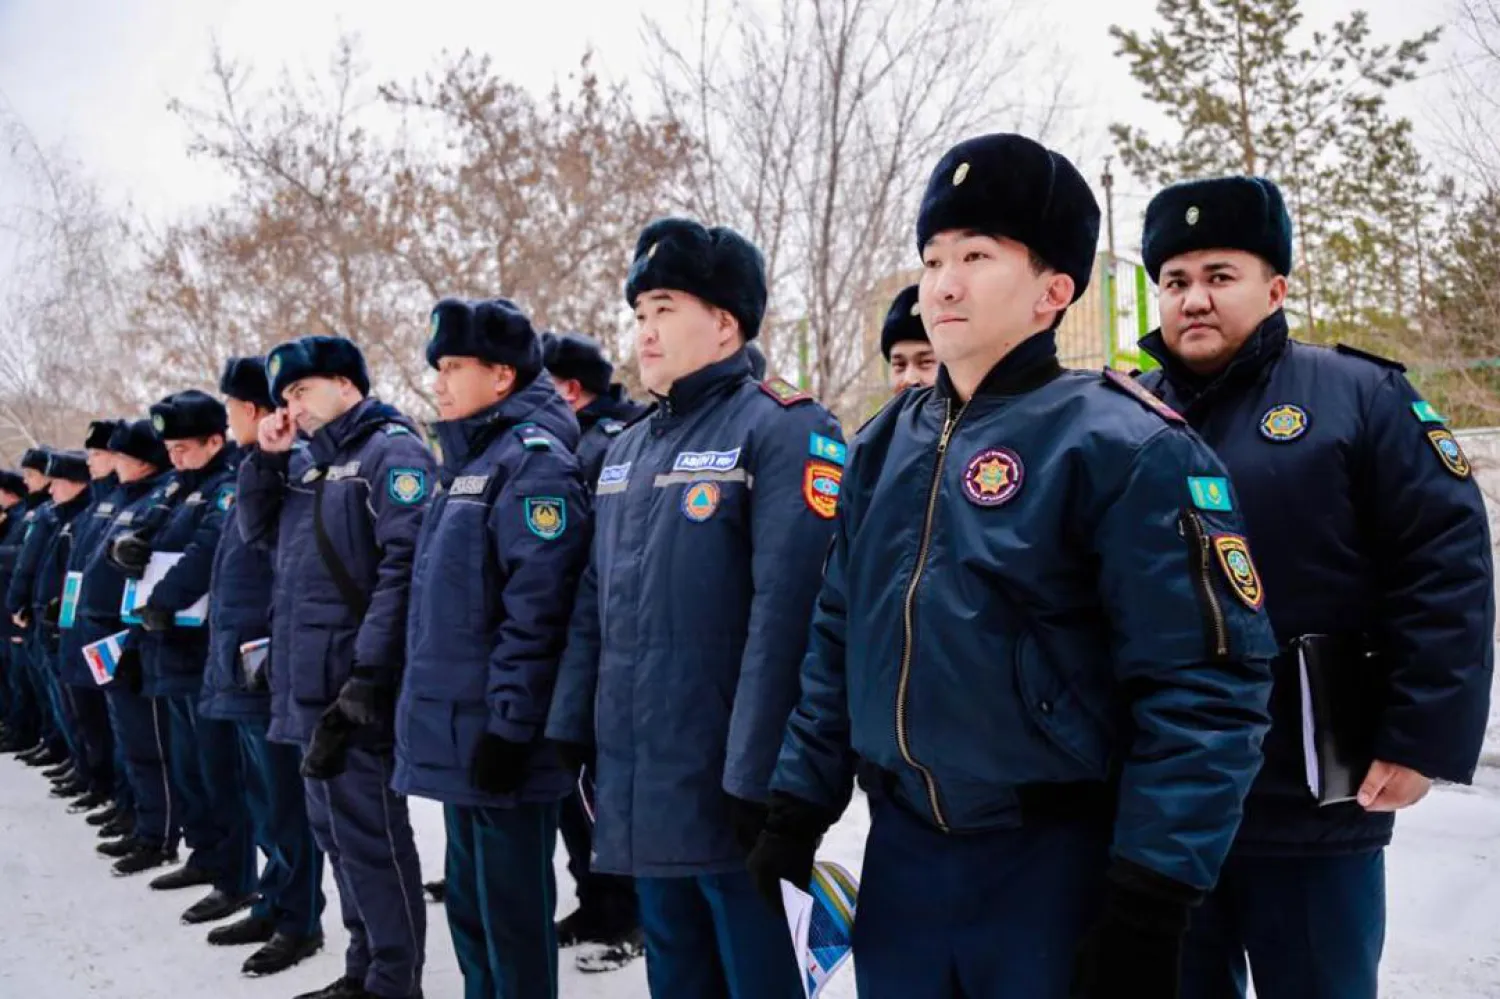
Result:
pixel 1038 634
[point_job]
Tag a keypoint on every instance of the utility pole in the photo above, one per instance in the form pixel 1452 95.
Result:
pixel 1111 298
pixel 1108 180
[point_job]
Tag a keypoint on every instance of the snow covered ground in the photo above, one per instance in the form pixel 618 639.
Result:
pixel 69 929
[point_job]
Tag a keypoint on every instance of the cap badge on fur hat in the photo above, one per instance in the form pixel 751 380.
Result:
pixel 159 423
pixel 275 367
pixel 652 252
pixel 959 173
pixel 1193 215
pixel 916 308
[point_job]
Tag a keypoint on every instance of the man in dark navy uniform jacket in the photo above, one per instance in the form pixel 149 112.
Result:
pixel 1046 656
pixel 492 586
pixel 1370 530
pixel 712 516
pixel 343 512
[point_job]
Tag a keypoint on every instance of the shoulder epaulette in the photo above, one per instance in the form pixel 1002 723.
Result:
pixel 784 391
pixel 1344 348
pixel 1131 387
pixel 533 437
pixel 611 427
pixel 398 430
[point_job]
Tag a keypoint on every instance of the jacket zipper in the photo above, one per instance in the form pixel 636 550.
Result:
pixel 1214 613
pixel 950 421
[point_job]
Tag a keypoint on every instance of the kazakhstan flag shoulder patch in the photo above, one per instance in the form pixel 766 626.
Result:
pixel 1210 492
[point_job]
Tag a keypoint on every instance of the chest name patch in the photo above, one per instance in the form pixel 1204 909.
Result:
pixel 706 461
pixel 469 485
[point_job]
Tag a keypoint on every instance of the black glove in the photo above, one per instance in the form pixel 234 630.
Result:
pixel 128 671
pixel 499 765
pixel 155 619
pixel 748 819
pixel 575 756
pixel 368 697
pixel 52 613
pixel 786 848
pixel 1135 949
pixel 328 752
pixel 129 553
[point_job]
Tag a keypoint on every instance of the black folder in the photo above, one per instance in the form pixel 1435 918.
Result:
pixel 1341 705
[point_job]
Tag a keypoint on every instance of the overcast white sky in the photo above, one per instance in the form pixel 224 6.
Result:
pixel 96 74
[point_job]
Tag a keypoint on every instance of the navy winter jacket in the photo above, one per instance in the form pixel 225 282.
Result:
pixel 173 659
pixel 496 568
pixel 88 529
pixel 1368 525
pixel 375 477
pixel 239 611
pixel 52 569
pixel 140 507
pixel 41 524
pixel 601 421
pixel 712 518
pixel 1023 592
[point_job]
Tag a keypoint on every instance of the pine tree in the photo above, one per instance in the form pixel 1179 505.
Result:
pixel 1251 91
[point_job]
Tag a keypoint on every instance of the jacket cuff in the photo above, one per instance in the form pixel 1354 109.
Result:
pixel 381 676
pixel 1150 901
pixel 1403 753
pixel 274 461
pixel 794 818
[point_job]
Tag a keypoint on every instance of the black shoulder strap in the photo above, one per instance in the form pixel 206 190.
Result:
pixel 353 596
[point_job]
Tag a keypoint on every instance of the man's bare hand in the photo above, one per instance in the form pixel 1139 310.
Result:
pixel 1389 787
pixel 276 432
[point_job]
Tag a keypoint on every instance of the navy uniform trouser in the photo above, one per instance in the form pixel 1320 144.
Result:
pixel 143 735
pixel 501 899
pixel 21 718
pixel 993 915
pixel 59 704
pixel 96 744
pixel 713 937
pixel 124 789
pixel 291 882
pixel 609 899
pixel 363 827
pixel 46 705
pixel 1311 927
pixel 5 694
pixel 210 783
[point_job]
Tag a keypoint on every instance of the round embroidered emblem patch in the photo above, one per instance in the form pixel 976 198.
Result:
pixel 993 476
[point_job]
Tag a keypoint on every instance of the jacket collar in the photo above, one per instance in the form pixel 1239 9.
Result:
pixel 462 439
pixel 191 477
pixel 100 488
pixel 1254 357
pixel 614 404
pixel 690 392
pixel 140 487
pixel 352 426
pixel 1031 364
pixel 75 504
